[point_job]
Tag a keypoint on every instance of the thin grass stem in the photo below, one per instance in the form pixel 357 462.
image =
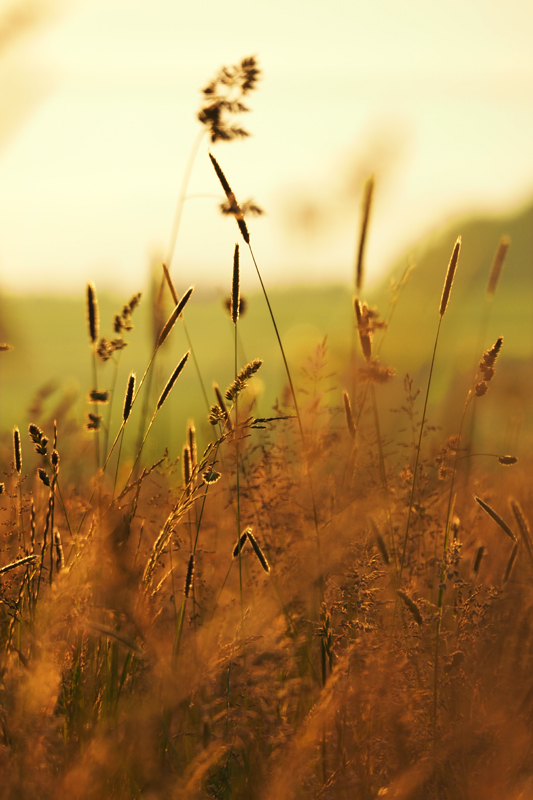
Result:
pixel 417 457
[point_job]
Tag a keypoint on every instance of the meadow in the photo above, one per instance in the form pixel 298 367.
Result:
pixel 312 580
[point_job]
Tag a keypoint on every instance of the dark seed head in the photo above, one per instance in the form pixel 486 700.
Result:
pixel 190 576
pixel 450 274
pixel 235 287
pixel 43 476
pixel 17 450
pixel 92 312
pixel 240 544
pixel 128 398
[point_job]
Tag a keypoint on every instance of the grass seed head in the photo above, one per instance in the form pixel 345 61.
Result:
pixel 235 287
pixel 211 476
pixel 507 461
pixel 450 275
pixel 223 97
pixel 521 519
pixel 216 415
pixel 171 321
pixel 60 556
pixel 106 348
pixel 189 577
pixel 222 178
pixel 38 438
pixel 96 396
pixel 374 372
pixel 365 218
pixel 232 200
pixel 486 365
pixel 128 397
pixel 43 476
pixel 191 436
pixel 170 284
pixel 480 552
pixel 240 544
pixel 510 563
pixel 17 450
pixel 496 517
pixel 382 547
pixel 92 313
pixel 357 307
pixel 243 304
pixel 222 413
pixel 259 553
pixel 350 422
pixel 497 266
pixel 241 381
pixel 172 380
pixel 362 313
pixel 411 605
pixel 94 422
pixel 187 470
pixel 523 527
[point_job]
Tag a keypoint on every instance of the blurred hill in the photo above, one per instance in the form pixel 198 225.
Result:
pixel 511 311
pixel 52 347
pixel 471 324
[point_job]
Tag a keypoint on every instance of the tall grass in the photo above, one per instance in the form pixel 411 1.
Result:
pixel 168 630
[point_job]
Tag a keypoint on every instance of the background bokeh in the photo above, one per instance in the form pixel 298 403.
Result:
pixel 99 101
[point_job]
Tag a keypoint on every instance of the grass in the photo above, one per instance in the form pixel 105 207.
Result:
pixel 169 627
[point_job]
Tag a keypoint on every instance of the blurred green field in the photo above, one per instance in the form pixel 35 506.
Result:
pixel 51 348
pixel 51 344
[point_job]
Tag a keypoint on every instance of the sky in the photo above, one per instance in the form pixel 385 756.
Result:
pixel 100 99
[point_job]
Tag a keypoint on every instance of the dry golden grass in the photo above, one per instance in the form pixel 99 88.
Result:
pixel 124 677
pixel 310 605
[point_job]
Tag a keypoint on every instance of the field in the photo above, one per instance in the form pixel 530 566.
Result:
pixel 312 582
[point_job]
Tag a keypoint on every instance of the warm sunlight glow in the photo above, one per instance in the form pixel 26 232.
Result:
pixel 99 103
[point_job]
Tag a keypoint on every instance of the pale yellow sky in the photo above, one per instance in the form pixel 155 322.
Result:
pixel 100 115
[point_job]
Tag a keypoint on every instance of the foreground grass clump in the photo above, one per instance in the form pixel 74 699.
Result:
pixel 326 601
pixel 261 625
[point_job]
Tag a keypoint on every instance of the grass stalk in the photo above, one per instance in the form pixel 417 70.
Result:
pixel 382 466
pixel 448 282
